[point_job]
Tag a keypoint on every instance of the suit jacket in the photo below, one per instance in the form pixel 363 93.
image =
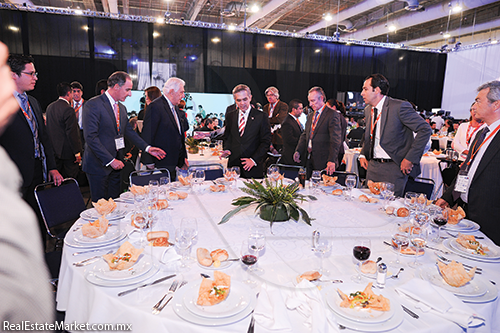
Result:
pixel 253 144
pixel 160 130
pixel 279 114
pixel 17 140
pixel 290 131
pixel 326 140
pixel 484 194
pixel 63 129
pixel 398 122
pixel 99 129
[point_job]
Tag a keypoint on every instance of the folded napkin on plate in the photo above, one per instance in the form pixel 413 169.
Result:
pixel 163 254
pixel 430 297
pixel 307 300
pixel 271 312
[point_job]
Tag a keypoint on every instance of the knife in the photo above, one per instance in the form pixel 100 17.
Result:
pixel 408 311
pixel 123 293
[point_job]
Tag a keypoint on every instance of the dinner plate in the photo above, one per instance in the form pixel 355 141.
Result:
pixel 360 315
pixel 92 214
pixel 464 225
pixel 113 233
pixel 70 241
pixel 448 246
pixel 491 254
pixel 222 180
pixel 238 299
pixel 181 310
pixel 490 295
pixel 127 197
pixel 473 288
pixel 374 275
pixel 223 265
pixel 94 279
pixel 141 267
pixel 178 186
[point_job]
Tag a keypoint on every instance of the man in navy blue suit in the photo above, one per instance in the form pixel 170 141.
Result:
pixel 105 127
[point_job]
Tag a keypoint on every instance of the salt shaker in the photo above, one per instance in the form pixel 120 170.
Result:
pixel 381 275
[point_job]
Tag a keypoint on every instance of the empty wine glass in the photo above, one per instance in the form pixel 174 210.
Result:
pixel 199 178
pixel 164 183
pixel 418 238
pixel 421 202
pixel 421 218
pixel 350 183
pixel 257 242
pixel 153 183
pixel 236 174
pixel 183 241
pixel 401 240
pixel 249 256
pixel 322 244
pixel 387 191
pixel 140 221
pixel 273 173
pixel 411 200
pixel 190 226
pixel 315 179
pixel 361 251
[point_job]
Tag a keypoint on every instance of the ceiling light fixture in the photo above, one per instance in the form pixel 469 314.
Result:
pixel 446 35
pixel 269 45
pixel 160 20
pixel 457 8
pixel 85 27
pixel 231 27
pixel 317 51
pixel 255 8
pixel 13 28
pixel 215 40
pixel 156 34
pixel 328 17
pixel 494 41
pixel 392 28
pixel 78 11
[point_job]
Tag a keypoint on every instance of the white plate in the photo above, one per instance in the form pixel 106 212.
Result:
pixel 70 240
pixel 127 197
pixel 92 214
pixel 367 316
pixel 237 301
pixel 463 225
pixel 490 295
pixel 141 267
pixel 448 246
pixel 473 288
pixel 92 278
pixel 222 180
pixel 223 265
pixel 183 313
pixel 178 186
pixel 113 233
pixel 490 254
pixel 421 251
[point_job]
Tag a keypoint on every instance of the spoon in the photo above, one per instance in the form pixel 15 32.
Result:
pixel 379 259
pixel 396 276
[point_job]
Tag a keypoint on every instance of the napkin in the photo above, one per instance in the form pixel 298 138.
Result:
pixel 162 254
pixel 271 312
pixel 307 301
pixel 429 297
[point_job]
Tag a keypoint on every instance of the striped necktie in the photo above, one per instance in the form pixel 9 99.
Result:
pixel 30 117
pixel 241 126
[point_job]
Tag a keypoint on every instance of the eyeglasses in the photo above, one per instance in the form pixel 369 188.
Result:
pixel 32 74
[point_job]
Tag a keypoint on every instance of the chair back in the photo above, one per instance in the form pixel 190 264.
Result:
pixel 212 171
pixel 59 204
pixel 142 177
pixel 289 171
pixel 342 176
pixel 420 185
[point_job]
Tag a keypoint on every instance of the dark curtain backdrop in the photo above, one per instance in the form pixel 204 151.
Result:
pixel 68 48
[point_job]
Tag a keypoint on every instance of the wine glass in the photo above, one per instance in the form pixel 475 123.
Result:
pixel 411 200
pixel 387 191
pixel 249 257
pixel 350 183
pixel 199 177
pixel 190 225
pixel 421 202
pixel 183 241
pixel 322 244
pixel 440 218
pixel 236 174
pixel 140 221
pixel 361 252
pixel 315 179
pixel 272 172
pixel 154 183
pixel 400 238
pixel 165 183
pixel 418 238
pixel 257 241
pixel 421 219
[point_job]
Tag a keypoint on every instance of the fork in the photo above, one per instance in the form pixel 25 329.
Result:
pixel 89 260
pixel 478 269
pixel 455 236
pixel 157 307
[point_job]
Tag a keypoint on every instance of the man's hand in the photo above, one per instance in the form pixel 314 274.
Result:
pixel 406 166
pixel 117 164
pixel 157 152
pixel 442 203
pixel 56 177
pixel 296 157
pixel 330 168
pixel 363 163
pixel 247 163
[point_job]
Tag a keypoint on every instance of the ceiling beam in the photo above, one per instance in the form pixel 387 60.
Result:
pixel 89 4
pixel 195 9
pixel 266 10
pixel 125 7
pixel 105 6
pixel 20 2
pixel 113 6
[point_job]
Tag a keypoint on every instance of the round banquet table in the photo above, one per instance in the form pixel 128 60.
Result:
pixel 287 254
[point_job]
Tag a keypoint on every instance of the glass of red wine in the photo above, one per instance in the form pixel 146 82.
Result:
pixel 249 257
pixel 361 252
pixel 439 218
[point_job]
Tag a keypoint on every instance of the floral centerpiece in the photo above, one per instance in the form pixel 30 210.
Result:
pixel 192 144
pixel 275 203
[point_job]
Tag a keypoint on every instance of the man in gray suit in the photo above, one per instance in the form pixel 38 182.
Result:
pixel 105 126
pixel 320 142
pixel 391 152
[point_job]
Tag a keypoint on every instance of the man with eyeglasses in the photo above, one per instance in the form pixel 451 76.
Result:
pixel 26 139
pixel 277 112
pixel 291 129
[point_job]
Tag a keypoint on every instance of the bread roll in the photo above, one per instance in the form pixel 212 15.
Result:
pixel 204 257
pixel 363 198
pixel 219 254
pixel 403 212
pixel 369 267
pixel 310 276
pixel 337 191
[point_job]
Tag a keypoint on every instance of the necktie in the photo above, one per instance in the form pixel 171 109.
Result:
pixel 241 126
pixel 176 118
pixel 315 120
pixel 77 111
pixel 374 121
pixel 116 110
pixel 30 117
pixel 300 125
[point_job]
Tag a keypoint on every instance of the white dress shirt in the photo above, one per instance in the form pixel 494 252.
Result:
pixel 378 151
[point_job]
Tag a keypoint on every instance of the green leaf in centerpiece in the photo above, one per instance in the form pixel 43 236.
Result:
pixel 230 214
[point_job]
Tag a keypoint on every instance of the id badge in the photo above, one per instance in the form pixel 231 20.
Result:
pixel 119 142
pixel 462 183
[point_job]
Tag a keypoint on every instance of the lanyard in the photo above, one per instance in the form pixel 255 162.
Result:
pixel 374 124
pixel 474 151
pixel 79 106
pixel 467 136
pixel 27 115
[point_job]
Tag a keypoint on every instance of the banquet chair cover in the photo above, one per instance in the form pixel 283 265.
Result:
pixel 142 177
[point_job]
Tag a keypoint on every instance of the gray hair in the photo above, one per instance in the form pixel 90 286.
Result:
pixel 494 93
pixel 274 91
pixel 319 90
pixel 241 87
pixel 174 83
pixel 118 78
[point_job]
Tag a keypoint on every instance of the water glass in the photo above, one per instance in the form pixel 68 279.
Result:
pixel 418 238
pixel 199 178
pixel 387 191
pixel 315 179
pixel 273 173
pixel 165 183
pixel 411 200
pixel 350 183
pixel 183 241
pixel 153 183
pixel 322 244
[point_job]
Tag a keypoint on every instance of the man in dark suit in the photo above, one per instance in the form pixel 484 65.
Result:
pixel 340 108
pixel 390 146
pixel 247 136
pixel 291 129
pixel 479 193
pixel 64 133
pixel 26 139
pixel 319 144
pixel 277 112
pixel 105 126
pixel 163 127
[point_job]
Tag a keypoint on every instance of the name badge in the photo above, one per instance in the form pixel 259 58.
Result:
pixel 462 183
pixel 119 142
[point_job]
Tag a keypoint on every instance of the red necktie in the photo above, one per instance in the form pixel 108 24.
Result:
pixel 241 125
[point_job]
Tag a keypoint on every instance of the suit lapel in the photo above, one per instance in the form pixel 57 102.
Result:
pixel 107 105
pixel 492 150
pixel 383 116
pixel 250 122
pixel 170 115
pixel 322 117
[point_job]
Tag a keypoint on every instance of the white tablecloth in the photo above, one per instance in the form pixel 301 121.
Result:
pixel 287 254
